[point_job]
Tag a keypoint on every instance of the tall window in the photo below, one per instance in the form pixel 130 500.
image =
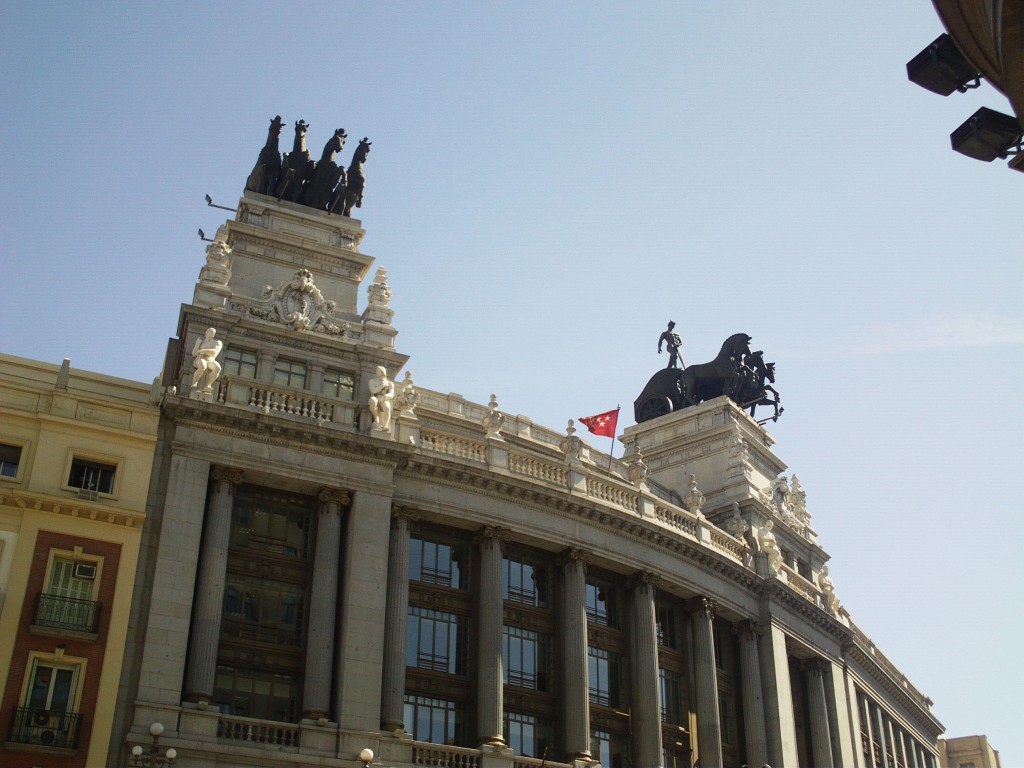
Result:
pixel 67 602
pixel 604 677
pixel 436 563
pixel 255 693
pixel 665 625
pixel 240 362
pixel 10 458
pixel 670 692
pixel 92 476
pixel 438 721
pixel 608 748
pixel 526 582
pixel 602 604
pixel 433 641
pixel 337 384
pixel 260 657
pixel 527 734
pixel 47 716
pixel 290 373
pixel 525 657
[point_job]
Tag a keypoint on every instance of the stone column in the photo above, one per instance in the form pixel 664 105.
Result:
pixel 490 681
pixel 709 729
pixel 780 722
pixel 323 605
pixel 212 578
pixel 753 702
pixel 395 623
pixel 892 738
pixel 817 714
pixel 575 690
pixel 360 642
pixel 646 720
pixel 845 741
pixel 880 736
pixel 870 725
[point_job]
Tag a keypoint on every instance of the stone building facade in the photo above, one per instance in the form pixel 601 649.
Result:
pixel 76 450
pixel 445 584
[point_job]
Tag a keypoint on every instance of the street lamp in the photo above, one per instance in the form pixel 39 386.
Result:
pixel 153 759
pixel 365 756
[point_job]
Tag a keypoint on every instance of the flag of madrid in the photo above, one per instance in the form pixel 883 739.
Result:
pixel 602 424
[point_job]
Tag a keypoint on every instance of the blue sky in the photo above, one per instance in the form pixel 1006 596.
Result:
pixel 549 184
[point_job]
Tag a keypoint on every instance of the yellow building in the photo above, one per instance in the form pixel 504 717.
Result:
pixel 76 450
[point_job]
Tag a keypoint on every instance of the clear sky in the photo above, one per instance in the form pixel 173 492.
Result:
pixel 550 183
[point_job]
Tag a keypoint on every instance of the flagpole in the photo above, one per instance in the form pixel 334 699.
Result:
pixel 612 451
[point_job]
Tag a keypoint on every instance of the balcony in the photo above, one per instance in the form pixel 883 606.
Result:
pixel 44 730
pixel 56 616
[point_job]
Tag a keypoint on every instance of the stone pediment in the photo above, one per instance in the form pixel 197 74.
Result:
pixel 297 303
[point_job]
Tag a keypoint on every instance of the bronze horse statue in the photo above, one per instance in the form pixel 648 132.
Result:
pixel 297 166
pixel 722 376
pixel 349 193
pixel 755 387
pixel 263 178
pixel 320 188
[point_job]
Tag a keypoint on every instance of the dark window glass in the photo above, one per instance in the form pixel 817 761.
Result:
pixel 605 675
pixel 92 476
pixel 527 734
pixel 437 721
pixel 607 748
pixel 525 656
pixel 271 521
pixel 525 582
pixel 337 384
pixel 670 691
pixel 665 623
pixel 435 563
pixel 263 610
pixel 433 641
pixel 240 362
pixel 10 457
pixel 255 693
pixel 602 607
pixel 290 373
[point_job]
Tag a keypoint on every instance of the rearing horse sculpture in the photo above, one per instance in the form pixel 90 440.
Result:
pixel 754 389
pixel 297 166
pixel 263 178
pixel 349 195
pixel 721 376
pixel 320 187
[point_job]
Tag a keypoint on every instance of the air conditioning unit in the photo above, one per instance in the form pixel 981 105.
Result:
pixel 87 495
pixel 85 570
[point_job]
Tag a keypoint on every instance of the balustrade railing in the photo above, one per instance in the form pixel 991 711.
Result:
pixel 257 731
pixel 687 525
pixel 620 497
pixel 43 727
pixel 518 464
pixel 453 445
pixel 66 613
pixel 443 756
pixel 726 544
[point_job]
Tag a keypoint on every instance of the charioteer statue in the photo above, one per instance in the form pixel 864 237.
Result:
pixel 737 373
pixel 323 185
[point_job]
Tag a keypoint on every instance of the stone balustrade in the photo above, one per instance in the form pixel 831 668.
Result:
pixel 257 731
pixel 285 401
pixel 537 469
pixel 444 756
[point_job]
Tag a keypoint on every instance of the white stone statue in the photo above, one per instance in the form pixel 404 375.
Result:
pixel 571 444
pixel 407 397
pixel 828 590
pixel 493 419
pixel 379 292
pixel 770 548
pixel 382 394
pixel 204 360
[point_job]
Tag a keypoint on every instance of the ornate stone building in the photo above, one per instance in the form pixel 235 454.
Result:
pixel 336 560
pixel 76 450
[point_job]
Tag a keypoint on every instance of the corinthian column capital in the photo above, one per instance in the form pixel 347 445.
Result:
pixel 230 475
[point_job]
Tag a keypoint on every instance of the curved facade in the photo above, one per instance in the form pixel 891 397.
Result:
pixel 463 587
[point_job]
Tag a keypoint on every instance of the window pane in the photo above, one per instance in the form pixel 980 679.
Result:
pixel 92 476
pixel 338 384
pixel 10 457
pixel 434 563
pixel 239 362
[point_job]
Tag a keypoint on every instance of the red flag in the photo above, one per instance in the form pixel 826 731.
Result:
pixel 602 424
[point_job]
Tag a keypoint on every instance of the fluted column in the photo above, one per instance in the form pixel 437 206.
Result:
pixel 490 677
pixel 709 728
pixel 212 578
pixel 323 605
pixel 780 721
pixel 880 737
pixel 575 691
pixel 821 741
pixel 753 703
pixel 395 622
pixel 870 725
pixel 646 720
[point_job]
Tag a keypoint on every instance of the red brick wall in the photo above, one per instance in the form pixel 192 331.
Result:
pixel 92 651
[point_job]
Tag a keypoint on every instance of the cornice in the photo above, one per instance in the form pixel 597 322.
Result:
pixel 57 505
pixel 892 686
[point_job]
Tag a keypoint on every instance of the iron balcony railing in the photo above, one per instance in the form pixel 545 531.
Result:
pixel 67 613
pixel 45 728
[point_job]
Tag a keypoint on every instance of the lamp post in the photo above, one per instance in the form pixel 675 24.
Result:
pixel 153 759
pixel 365 756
